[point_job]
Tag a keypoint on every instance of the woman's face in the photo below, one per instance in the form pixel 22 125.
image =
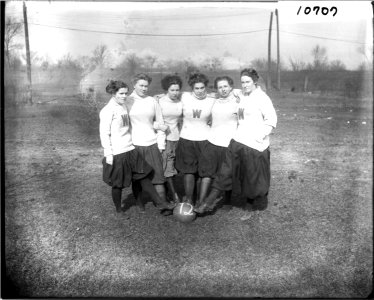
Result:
pixel 141 87
pixel 223 88
pixel 120 95
pixel 248 84
pixel 199 90
pixel 174 91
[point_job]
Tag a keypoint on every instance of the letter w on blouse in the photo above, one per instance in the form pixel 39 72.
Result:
pixel 241 113
pixel 196 113
pixel 125 120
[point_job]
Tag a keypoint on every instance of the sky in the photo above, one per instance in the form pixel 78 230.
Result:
pixel 197 30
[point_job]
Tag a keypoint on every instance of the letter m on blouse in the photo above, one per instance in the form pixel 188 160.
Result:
pixel 196 113
pixel 241 113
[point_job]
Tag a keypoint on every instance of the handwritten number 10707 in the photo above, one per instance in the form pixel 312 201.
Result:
pixel 317 10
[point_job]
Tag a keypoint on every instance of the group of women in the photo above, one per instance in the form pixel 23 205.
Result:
pixel 218 141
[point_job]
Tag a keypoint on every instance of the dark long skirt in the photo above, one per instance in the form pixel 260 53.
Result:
pixel 153 157
pixel 245 170
pixel 126 167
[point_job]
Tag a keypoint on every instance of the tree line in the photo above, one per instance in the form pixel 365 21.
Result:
pixel 149 61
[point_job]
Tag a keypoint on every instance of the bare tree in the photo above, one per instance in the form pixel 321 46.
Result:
pixel 161 65
pixel 99 54
pixel 150 61
pixel 364 66
pixel 190 68
pixel 320 61
pixel 68 62
pixel 337 65
pixel 367 63
pixel 13 27
pixel 131 63
pixel 297 65
pixel 214 64
pixel 34 58
pixel 261 64
pixel 174 65
pixel 363 51
pixel 86 63
pixel 45 62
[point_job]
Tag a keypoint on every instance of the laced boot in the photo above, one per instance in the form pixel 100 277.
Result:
pixel 163 205
pixel 208 206
pixel 160 199
pixel 209 203
pixel 201 208
pixel 176 199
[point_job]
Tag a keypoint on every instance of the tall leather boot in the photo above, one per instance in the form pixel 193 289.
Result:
pixel 209 203
pixel 161 191
pixel 160 203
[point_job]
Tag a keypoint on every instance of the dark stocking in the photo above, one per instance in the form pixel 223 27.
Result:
pixel 137 192
pixel 204 187
pixel 160 188
pixel 228 197
pixel 189 185
pixel 170 184
pixel 116 196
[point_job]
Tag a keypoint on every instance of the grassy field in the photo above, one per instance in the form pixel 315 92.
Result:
pixel 64 239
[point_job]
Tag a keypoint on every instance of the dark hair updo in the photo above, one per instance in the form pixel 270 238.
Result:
pixel 226 78
pixel 114 86
pixel 169 80
pixel 141 76
pixel 250 73
pixel 197 78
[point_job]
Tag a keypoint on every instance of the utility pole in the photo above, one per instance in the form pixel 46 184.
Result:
pixel 28 60
pixel 269 55
pixel 278 54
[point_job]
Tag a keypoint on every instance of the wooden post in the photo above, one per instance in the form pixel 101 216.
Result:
pixel 268 87
pixel 306 83
pixel 28 60
pixel 278 53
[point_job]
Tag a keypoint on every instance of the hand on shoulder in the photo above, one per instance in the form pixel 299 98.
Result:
pixel 236 93
pixel 158 96
pixel 212 95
